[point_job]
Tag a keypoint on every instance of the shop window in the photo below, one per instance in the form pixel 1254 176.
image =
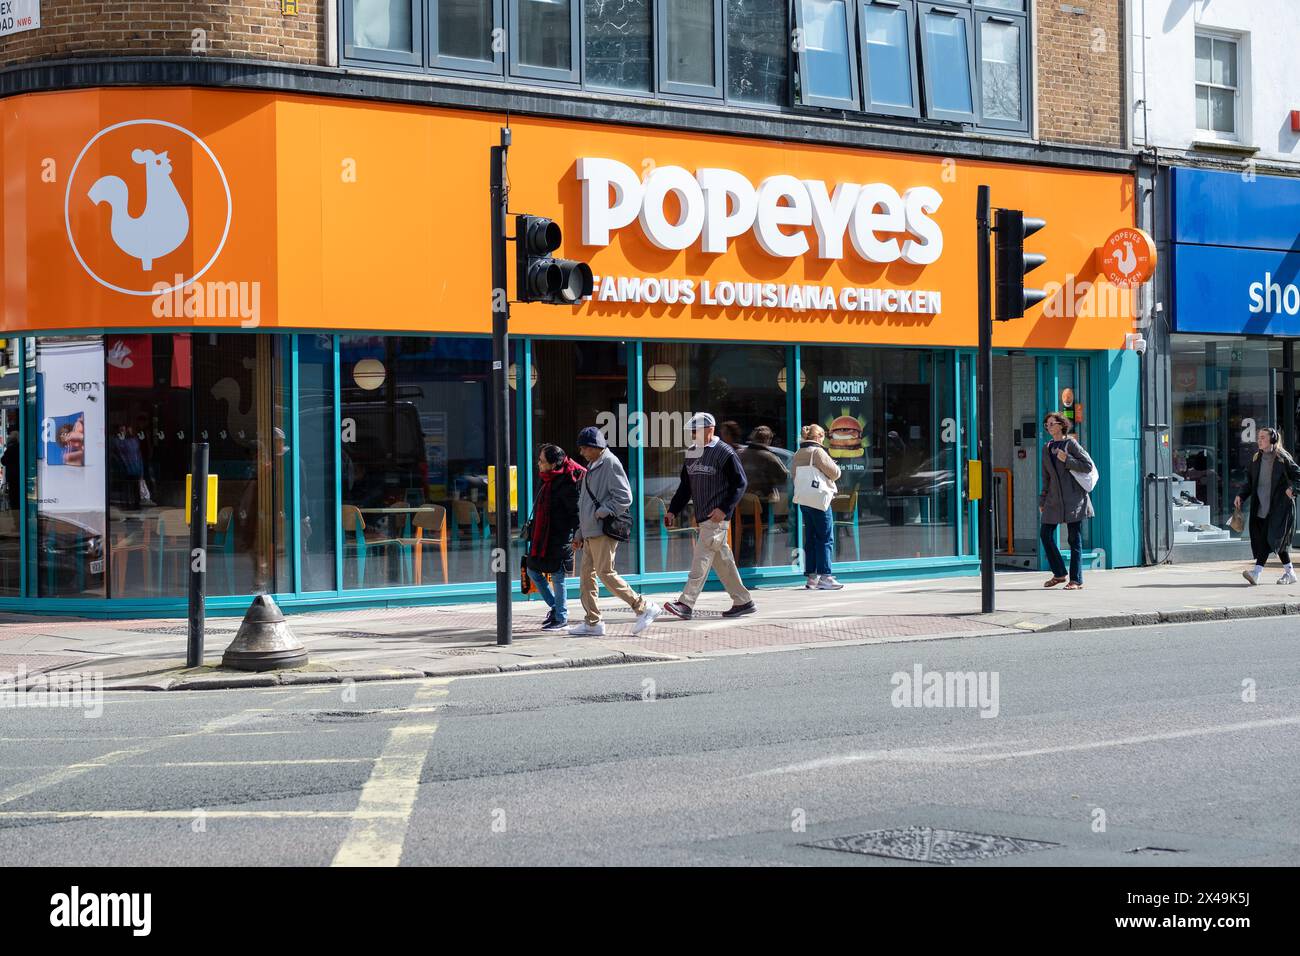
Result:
pixel 690 48
pixel 890 421
pixel 947 56
pixel 742 386
pixel 385 30
pixel 165 392
pixel 574 385
pixel 417 441
pixel 1217 93
pixel 466 35
pixel 617 44
pixel 758 43
pixel 827 69
pixel 1224 390
pixel 542 39
pixel 315 437
pixel 888 41
pixel 11 471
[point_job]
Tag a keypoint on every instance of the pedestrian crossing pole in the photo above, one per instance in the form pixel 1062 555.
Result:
pixel 500 384
pixel 984 403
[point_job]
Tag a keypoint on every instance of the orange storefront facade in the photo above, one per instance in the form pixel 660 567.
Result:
pixel 304 283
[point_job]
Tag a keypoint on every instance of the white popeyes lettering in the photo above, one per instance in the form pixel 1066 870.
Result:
pixel 717 205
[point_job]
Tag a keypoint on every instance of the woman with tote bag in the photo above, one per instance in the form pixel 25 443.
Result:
pixel 1069 476
pixel 1271 483
pixel 815 473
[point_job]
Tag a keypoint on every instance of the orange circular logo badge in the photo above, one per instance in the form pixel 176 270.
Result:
pixel 147 207
pixel 1128 258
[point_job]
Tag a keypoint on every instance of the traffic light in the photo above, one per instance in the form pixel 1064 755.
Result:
pixel 1012 228
pixel 543 278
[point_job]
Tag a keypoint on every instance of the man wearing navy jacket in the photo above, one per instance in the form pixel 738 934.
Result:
pixel 713 478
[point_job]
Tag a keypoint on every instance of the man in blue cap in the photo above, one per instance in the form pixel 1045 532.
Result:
pixel 714 479
pixel 606 494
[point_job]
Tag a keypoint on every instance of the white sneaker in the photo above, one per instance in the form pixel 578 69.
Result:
pixel 652 611
pixel 586 630
pixel 828 583
pixel 811 583
pixel 1288 577
pixel 1252 576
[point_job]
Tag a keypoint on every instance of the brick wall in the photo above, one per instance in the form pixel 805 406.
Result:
pixel 253 29
pixel 1081 72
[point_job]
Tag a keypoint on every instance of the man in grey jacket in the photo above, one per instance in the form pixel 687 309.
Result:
pixel 606 492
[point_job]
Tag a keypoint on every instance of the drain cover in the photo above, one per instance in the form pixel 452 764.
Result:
pixel 931 844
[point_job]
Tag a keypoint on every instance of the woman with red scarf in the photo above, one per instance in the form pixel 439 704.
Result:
pixel 550 531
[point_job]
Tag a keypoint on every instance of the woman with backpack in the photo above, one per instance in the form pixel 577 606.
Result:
pixel 550 531
pixel 1068 478
pixel 1271 483
pixel 815 474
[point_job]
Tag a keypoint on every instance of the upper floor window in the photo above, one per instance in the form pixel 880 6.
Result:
pixel 1217 92
pixel 962 61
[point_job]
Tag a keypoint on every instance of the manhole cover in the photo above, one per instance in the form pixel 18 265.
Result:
pixel 931 844
pixel 181 630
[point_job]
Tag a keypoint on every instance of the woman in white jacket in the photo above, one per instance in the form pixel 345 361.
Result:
pixel 818 547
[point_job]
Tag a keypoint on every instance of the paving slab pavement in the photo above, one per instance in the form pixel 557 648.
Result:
pixel 451 640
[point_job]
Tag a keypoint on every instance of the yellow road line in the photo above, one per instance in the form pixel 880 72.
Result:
pixel 64 774
pixel 378 831
pixel 185 814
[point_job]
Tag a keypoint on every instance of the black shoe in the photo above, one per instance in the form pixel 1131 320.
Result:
pixel 549 619
pixel 678 609
pixel 739 609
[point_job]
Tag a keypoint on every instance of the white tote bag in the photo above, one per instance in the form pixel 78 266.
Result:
pixel 812 488
pixel 1087 481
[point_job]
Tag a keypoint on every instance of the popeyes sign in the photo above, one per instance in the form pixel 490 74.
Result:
pixel 715 205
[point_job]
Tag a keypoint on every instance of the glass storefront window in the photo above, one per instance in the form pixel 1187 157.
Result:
pixel 11 473
pixel 576 384
pixel 889 416
pixel 741 386
pixel 316 462
pixel 1224 389
pixel 417 441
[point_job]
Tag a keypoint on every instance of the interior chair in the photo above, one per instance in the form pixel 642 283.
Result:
pixel 844 514
pixel 430 527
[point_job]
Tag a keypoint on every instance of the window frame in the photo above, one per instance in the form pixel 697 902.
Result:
pixel 369 55
pixel 908 8
pixel 1238 134
pixel 807 99
pixel 569 77
pixel 456 64
pixel 924 10
pixel 670 89
pixel 1021 21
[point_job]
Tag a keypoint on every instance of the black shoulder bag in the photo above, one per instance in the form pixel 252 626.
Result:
pixel 618 527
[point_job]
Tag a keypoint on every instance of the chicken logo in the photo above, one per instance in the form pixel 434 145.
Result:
pixel 143 207
pixel 165 222
pixel 1128 258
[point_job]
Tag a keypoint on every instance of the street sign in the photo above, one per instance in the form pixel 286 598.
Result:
pixel 19 15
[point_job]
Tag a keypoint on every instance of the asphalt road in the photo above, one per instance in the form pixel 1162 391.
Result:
pixel 1097 745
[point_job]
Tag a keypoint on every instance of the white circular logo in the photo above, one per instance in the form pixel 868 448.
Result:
pixel 168 222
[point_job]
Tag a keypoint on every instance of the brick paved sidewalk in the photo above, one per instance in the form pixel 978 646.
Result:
pixel 460 639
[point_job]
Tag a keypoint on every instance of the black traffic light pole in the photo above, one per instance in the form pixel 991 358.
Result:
pixel 500 384
pixel 198 505
pixel 984 402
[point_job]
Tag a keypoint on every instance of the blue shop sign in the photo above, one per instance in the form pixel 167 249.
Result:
pixel 1236 253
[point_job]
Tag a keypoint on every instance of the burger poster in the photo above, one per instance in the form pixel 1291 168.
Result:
pixel 844 410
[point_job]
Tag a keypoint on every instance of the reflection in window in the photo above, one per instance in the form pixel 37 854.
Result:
pixel 543 34
pixel 1000 71
pixel 465 29
pixel 742 387
pixel 947 58
pixel 888 52
pixel 617 53
pixel 883 411
pixel 417 442
pixel 383 25
pixel 757 51
pixel 315 439
pixel 11 474
pixel 689 36
pixel 825 70
pixel 576 384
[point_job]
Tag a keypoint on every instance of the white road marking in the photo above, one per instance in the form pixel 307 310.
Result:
pixel 953 755
pixel 378 832
pixel 189 814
